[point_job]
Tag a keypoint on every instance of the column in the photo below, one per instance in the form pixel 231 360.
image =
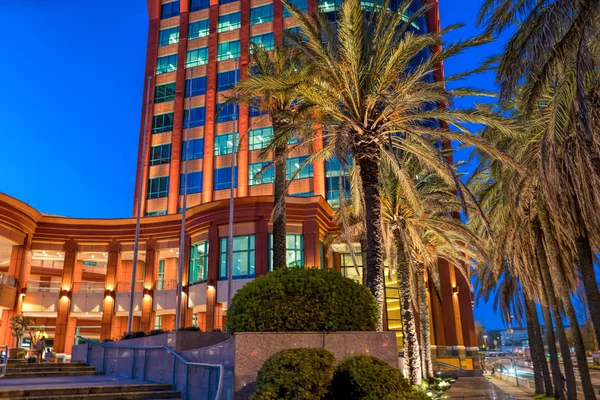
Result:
pixel 319 168
pixel 278 21
pixel 213 276
pixel 63 325
pixel 244 119
pixel 185 313
pixel 110 285
pixel 178 113
pixel 262 247
pixel 150 271
pixel 310 229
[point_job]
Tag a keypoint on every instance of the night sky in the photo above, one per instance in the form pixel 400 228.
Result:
pixel 72 82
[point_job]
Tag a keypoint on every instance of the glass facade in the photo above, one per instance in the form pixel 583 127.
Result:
pixel 261 14
pixel 168 36
pixel 244 253
pixel 266 40
pixel 168 10
pixel 198 29
pixel 198 262
pixel 222 178
pixel 196 57
pixel 259 138
pixel 195 86
pixel 266 176
pixel 196 149
pixel 160 154
pixel 229 22
pixel 228 50
pixel 226 112
pixel 197 5
pixel 294 164
pixel 227 79
pixel 294 250
pixel 158 187
pixel 162 123
pixel 194 183
pixel 197 117
pixel 224 143
pixel 166 64
pixel 302 5
pixel 164 93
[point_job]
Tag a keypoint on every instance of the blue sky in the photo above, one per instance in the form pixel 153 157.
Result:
pixel 69 119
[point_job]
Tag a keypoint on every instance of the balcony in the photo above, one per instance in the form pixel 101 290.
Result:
pixel 41 298
pixel 8 291
pixel 123 296
pixel 87 298
pixel 165 295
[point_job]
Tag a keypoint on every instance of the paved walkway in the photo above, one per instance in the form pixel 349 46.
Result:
pixel 482 388
pixel 66 382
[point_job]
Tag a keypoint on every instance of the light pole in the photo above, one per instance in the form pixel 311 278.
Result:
pixel 511 332
pixel 139 211
pixel 485 342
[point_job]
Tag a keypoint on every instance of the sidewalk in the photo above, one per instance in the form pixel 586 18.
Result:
pixel 483 388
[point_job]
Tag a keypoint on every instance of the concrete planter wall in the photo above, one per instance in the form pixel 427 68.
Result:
pixel 253 349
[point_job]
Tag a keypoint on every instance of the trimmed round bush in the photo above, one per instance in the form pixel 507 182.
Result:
pixel 295 374
pixel 369 378
pixel 297 299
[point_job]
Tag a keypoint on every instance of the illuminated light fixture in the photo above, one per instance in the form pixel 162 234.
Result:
pixel 65 293
pixel 23 292
pixel 147 292
pixel 109 293
pixel 211 287
pixel 455 290
pixel 92 256
pixel 171 250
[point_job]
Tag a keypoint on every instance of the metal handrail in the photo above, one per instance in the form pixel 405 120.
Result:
pixel 165 284
pixel 3 361
pixel 168 349
pixel 447 366
pixel 43 286
pixel 88 287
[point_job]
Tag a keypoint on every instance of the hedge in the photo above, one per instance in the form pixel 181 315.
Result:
pixel 369 378
pixel 296 299
pixel 295 374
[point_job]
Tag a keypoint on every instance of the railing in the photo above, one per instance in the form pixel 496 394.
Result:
pixel 8 280
pixel 165 284
pixel 43 286
pixel 88 287
pixel 3 360
pixel 157 356
pixel 126 286
pixel 442 366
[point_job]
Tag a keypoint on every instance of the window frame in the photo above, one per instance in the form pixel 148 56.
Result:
pixel 163 128
pixel 158 194
pixel 161 43
pixel 165 96
pixel 255 20
pixel 166 69
pixel 203 28
pixel 224 259
pixel 199 263
pixel 200 51
pixel 162 159
pixel 227 24
pixel 229 55
pixel 268 175
pixel 226 185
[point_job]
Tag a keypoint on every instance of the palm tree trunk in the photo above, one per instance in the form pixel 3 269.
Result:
pixel 363 255
pixel 279 229
pixel 541 373
pixel 588 276
pixel 409 328
pixel 424 325
pixel 368 157
pixel 559 282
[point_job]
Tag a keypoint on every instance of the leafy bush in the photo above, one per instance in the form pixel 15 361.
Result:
pixel 369 378
pixel 295 374
pixel 294 299
pixel 189 329
pixel 133 335
pixel 155 332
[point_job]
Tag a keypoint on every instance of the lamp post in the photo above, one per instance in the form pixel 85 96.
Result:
pixel 511 332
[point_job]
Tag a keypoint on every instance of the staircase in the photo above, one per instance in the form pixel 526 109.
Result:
pixel 74 381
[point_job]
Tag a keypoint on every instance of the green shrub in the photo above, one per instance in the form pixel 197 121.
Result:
pixel 295 374
pixel 133 335
pixel 189 329
pixel 155 332
pixel 296 299
pixel 369 378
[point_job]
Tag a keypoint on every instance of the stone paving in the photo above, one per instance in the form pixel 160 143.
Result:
pixel 481 388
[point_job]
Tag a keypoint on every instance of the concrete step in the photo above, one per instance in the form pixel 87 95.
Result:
pixel 45 365
pixel 55 367
pixel 107 392
pixel 40 374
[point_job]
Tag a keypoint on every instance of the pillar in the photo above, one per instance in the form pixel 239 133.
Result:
pixel 262 247
pixel 213 276
pixel 63 325
pixel 185 312
pixel 319 168
pixel 278 21
pixel 110 285
pixel 310 230
pixel 337 262
pixel 150 271
pixel 447 304
pixel 465 302
pixel 244 119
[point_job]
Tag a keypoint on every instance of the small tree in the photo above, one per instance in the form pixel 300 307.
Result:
pixel 18 324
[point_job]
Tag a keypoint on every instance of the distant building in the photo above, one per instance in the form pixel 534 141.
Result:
pixel 519 335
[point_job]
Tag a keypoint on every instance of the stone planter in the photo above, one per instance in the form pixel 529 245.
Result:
pixel 13 352
pixel 31 353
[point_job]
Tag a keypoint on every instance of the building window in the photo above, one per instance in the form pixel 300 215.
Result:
pixel 195 319
pixel 226 2
pixel 228 50
pixel 194 182
pixel 224 143
pixel 222 178
pixel 243 257
pixel 226 112
pixel 160 281
pixel 335 175
pixel 266 176
pixel 229 22
pixel 255 109
pixel 168 10
pixel 326 6
pixel 226 80
pixel 294 164
pixel 302 5
pixel 196 5
pixel 163 93
pixel 195 86
pixel 158 318
pixel 158 187
pixel 302 194
pixel 294 250
pixel 261 14
pixel 166 64
pixel 162 123
pixel 199 262
pixel 198 29
pixel 196 57
pixel 156 213
pixel 266 40
pixel 260 138
pixel 168 36
pixel 197 117
pixel 160 154
pixel 196 149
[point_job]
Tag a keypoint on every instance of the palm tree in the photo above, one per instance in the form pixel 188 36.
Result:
pixel 555 48
pixel 284 64
pixel 370 81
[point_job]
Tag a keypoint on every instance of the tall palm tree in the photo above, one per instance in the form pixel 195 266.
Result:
pixel 555 47
pixel 371 81
pixel 283 64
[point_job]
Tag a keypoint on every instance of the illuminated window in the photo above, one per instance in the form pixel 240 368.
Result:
pixel 294 164
pixel 224 143
pixel 168 36
pixel 294 250
pixel 261 14
pixel 260 138
pixel 166 64
pixel 243 257
pixel 229 22
pixel 228 50
pixel 196 57
pixel 266 40
pixel 198 29
pixel 267 175
pixel 199 262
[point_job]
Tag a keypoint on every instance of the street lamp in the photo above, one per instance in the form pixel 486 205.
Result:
pixel 485 342
pixel 510 331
